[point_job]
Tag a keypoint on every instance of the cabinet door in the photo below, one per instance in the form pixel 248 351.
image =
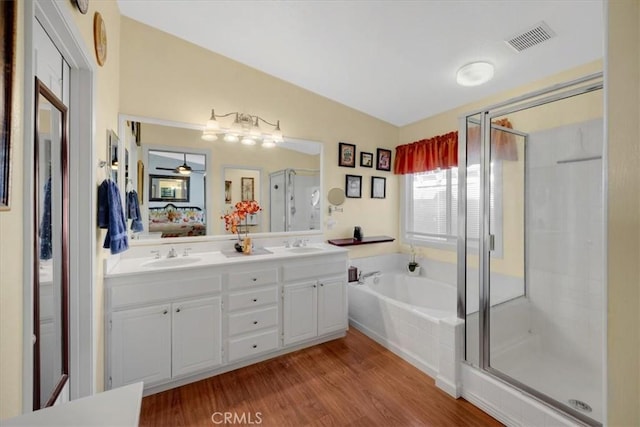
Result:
pixel 197 335
pixel 300 312
pixel 332 314
pixel 141 345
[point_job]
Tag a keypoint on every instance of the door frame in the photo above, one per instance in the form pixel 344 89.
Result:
pixel 56 19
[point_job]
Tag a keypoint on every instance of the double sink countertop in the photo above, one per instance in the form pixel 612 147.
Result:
pixel 127 266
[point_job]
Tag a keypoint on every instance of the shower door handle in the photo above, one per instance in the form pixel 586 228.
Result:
pixel 492 242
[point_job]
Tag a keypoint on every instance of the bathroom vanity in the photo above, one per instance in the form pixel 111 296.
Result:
pixel 172 321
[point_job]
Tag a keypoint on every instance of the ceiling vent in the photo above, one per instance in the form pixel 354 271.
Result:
pixel 537 34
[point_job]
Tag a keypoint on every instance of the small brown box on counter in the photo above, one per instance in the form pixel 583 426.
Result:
pixel 353 274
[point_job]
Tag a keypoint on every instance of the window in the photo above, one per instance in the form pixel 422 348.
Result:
pixel 431 208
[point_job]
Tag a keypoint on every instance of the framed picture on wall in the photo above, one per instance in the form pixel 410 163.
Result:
pixel 353 186
pixel 366 159
pixel 246 187
pixel 383 162
pixel 347 155
pixel 378 187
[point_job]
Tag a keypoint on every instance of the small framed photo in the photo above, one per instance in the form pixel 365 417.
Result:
pixel 378 187
pixel 383 162
pixel 227 192
pixel 353 186
pixel 347 155
pixel 366 159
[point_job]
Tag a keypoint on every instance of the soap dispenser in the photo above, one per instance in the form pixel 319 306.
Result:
pixel 357 233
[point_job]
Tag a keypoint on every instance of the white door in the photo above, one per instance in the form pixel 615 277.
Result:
pixel 300 312
pixel 197 335
pixel 141 345
pixel 331 306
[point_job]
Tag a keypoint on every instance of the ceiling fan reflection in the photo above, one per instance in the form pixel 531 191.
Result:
pixel 183 169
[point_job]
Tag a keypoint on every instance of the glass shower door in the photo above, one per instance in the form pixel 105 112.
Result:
pixel 545 262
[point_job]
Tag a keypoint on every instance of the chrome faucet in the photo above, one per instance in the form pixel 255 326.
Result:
pixel 172 253
pixel 297 243
pixel 362 277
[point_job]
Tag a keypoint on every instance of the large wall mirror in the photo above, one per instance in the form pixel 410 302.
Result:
pixel 282 179
pixel 51 228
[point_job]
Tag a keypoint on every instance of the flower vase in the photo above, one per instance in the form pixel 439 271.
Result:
pixel 246 244
pixel 238 247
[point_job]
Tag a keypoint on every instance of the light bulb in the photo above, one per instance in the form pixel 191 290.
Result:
pixel 277 134
pixel 247 140
pixel 230 137
pixel 209 136
pixel 212 123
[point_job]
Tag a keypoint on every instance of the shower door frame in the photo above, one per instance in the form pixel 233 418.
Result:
pixel 581 86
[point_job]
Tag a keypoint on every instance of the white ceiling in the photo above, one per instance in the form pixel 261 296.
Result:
pixel 394 60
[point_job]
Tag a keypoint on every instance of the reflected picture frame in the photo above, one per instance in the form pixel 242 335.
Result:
pixel 353 186
pixel 346 155
pixel 227 191
pixel 383 159
pixel 247 189
pixel 7 65
pixel 378 187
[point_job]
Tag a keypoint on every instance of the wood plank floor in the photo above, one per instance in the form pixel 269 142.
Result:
pixel 347 382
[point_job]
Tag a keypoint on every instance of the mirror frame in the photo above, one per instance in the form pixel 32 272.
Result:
pixel 42 90
pixel 122 120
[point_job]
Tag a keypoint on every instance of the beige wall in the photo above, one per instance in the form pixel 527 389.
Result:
pixel 11 247
pixel 623 104
pixel 167 78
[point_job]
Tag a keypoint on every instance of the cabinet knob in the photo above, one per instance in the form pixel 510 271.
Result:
pixel 165 312
pixel 255 300
pixel 178 310
pixel 254 279
pixel 255 322
pixel 321 284
pixel 314 286
pixel 255 346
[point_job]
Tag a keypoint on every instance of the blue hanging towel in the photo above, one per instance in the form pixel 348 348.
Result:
pixel 111 217
pixel 45 224
pixel 133 211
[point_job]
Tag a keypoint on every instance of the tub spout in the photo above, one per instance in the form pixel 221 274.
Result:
pixel 362 277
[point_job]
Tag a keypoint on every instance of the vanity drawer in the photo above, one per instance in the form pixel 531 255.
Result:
pixel 253 278
pixel 320 268
pixel 253 320
pixel 253 298
pixel 240 348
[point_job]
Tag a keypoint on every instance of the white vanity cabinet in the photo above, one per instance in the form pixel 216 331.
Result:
pixel 162 326
pixel 314 300
pixel 169 327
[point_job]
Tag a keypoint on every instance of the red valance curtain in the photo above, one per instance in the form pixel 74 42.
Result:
pixel 441 152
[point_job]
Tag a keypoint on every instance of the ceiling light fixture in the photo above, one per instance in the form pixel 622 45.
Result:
pixel 245 128
pixel 474 74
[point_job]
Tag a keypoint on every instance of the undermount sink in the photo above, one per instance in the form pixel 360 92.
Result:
pixel 304 249
pixel 172 262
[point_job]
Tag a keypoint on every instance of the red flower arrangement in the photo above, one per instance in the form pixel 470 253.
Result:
pixel 242 209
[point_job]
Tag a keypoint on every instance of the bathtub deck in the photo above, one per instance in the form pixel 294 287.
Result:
pixel 352 381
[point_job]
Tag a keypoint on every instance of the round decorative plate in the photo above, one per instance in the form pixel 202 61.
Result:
pixel 83 6
pixel 100 38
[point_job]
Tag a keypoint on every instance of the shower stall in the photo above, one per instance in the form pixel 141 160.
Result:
pixel 294 200
pixel 531 227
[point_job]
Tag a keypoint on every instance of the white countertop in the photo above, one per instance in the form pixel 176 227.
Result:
pixel 127 266
pixel 117 407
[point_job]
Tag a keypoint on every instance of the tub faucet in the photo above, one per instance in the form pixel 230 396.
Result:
pixel 172 253
pixel 362 277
